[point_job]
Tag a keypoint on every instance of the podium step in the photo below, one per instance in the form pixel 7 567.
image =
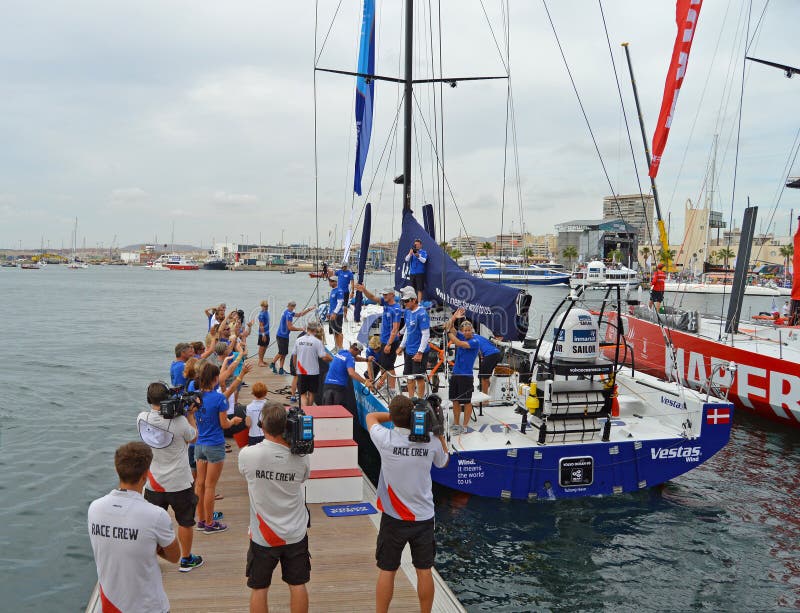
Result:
pixel 334 454
pixel 331 422
pixel 334 485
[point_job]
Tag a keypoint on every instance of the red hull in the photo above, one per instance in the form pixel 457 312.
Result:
pixel 316 275
pixel 182 266
pixel 762 385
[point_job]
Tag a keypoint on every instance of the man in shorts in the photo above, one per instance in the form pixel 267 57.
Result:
pixel 336 312
pixel 285 328
pixel 341 370
pixel 657 287
pixel 308 351
pixel 414 345
pixel 127 533
pixel 462 378
pixel 344 281
pixel 390 331
pixel 278 515
pixel 169 480
pixel 405 497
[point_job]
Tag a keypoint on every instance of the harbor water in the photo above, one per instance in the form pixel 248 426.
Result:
pixel 84 344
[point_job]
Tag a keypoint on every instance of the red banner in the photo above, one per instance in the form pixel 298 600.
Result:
pixel 796 264
pixel 686 14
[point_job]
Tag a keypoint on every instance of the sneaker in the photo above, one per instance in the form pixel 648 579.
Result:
pixel 456 429
pixel 189 563
pixel 292 398
pixel 215 527
pixel 201 525
pixel 218 515
pixel 282 372
pixel 272 366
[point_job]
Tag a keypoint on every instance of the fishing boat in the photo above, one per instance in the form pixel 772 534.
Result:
pixel 215 261
pixel 596 275
pixel 560 419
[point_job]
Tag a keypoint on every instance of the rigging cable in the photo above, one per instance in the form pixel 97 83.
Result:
pixel 316 160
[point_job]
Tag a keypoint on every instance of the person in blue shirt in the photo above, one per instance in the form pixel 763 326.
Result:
pixel 416 259
pixel 414 345
pixel 342 368
pixel 344 280
pixel 285 328
pixel 183 351
pixel 263 332
pixel 461 379
pixel 390 331
pixel 336 311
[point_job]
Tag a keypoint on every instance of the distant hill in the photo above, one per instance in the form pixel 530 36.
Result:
pixel 160 248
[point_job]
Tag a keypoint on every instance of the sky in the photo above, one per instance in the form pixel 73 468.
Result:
pixel 139 117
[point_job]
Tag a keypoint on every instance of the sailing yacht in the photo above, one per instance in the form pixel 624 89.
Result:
pixel 74 262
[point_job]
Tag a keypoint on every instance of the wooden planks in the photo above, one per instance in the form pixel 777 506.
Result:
pixel 343 571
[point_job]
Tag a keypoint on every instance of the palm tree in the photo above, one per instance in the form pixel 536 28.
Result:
pixel 666 255
pixel 570 253
pixel 786 251
pixel 725 254
pixel 645 251
pixel 615 255
pixel 487 247
pixel 528 253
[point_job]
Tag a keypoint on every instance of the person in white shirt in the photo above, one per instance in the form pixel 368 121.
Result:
pixel 253 413
pixel 127 533
pixel 279 518
pixel 308 351
pixel 169 480
pixel 405 497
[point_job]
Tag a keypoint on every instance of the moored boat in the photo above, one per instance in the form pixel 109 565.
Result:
pixel 596 275
pixel 215 261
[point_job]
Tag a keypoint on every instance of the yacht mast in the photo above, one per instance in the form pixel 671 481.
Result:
pixel 408 96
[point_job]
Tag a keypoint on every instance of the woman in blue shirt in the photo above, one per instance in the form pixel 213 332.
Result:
pixel 461 380
pixel 209 450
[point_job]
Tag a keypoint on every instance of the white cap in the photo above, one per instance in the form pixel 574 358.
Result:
pixel 407 293
pixel 357 345
pixel 387 290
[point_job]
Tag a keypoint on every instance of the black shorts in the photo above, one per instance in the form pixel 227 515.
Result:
pixel 486 367
pixel 261 561
pixel 657 296
pixel 283 345
pixel 183 503
pixel 418 282
pixel 335 323
pixel 410 367
pixel 393 536
pixel 263 340
pixel 334 394
pixel 461 388
pixel 346 299
pixel 387 360
pixel 293 365
pixel 307 383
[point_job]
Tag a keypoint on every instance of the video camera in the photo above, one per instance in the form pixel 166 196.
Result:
pixel 178 403
pixel 299 432
pixel 426 418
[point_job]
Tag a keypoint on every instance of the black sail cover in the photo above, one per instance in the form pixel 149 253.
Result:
pixel 502 309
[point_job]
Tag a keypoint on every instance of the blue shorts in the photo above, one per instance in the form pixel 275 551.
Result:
pixel 213 454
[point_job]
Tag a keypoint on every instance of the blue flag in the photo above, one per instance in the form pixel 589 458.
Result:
pixel 364 91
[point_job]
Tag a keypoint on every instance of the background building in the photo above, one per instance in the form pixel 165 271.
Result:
pixel 636 210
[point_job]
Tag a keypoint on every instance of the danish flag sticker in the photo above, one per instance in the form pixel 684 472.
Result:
pixel 718 416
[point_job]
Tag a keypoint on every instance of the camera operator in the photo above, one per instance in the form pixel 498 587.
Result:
pixel 417 257
pixel 127 533
pixel 169 480
pixel 278 514
pixel 406 498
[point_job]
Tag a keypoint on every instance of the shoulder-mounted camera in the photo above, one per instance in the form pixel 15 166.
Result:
pixel 179 402
pixel 426 418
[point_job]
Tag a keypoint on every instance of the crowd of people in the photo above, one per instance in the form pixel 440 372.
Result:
pixel 182 452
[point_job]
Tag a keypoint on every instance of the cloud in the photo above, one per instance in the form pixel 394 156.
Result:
pixel 234 200
pixel 127 196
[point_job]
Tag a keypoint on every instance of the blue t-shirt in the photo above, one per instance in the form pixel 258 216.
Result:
pixel 286 319
pixel 416 322
pixel 263 318
pixel 344 276
pixel 371 353
pixel 337 371
pixel 392 313
pixel 485 346
pixel 209 430
pixel 416 267
pixel 192 387
pixel 465 358
pixel 176 373
pixel 337 294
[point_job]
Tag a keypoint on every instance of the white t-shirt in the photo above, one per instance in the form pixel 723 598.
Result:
pixel 125 530
pixel 254 413
pixel 308 349
pixel 404 486
pixel 170 471
pixel 275 477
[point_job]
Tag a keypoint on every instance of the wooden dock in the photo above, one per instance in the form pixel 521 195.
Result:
pixel 343 571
